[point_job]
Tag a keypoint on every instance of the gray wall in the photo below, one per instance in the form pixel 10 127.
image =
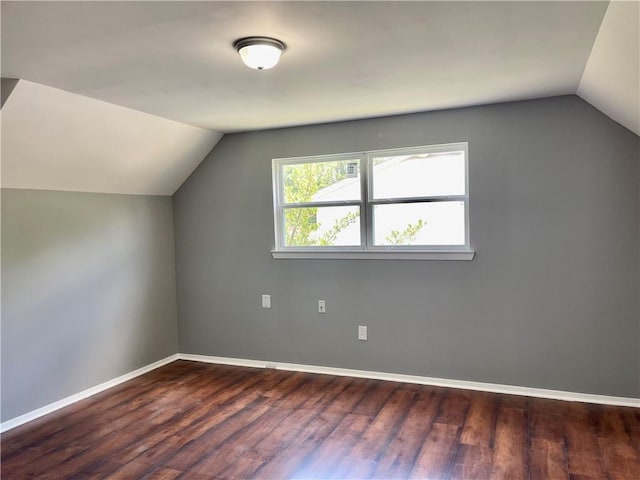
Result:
pixel 88 291
pixel 550 301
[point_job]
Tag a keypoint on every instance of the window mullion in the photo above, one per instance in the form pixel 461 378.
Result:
pixel 443 198
pixel 337 203
pixel 369 205
pixel 364 206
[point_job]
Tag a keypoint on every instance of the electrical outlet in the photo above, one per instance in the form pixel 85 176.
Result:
pixel 362 332
pixel 266 301
pixel 322 307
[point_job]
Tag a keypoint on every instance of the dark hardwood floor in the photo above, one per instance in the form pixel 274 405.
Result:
pixel 197 421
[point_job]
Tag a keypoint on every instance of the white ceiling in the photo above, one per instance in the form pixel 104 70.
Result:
pixel 611 79
pixel 344 60
pixel 89 70
pixel 55 140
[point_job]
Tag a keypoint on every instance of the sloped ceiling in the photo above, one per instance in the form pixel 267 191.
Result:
pixel 55 140
pixel 89 70
pixel 611 79
pixel 344 60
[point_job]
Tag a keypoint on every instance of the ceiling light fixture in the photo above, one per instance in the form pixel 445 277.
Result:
pixel 260 53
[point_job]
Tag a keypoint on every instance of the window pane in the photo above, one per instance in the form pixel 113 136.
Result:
pixel 322 226
pixel 321 181
pixel 433 223
pixel 419 175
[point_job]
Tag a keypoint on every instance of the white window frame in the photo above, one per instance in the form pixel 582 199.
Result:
pixel 366 249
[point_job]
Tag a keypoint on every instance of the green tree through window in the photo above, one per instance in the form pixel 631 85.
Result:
pixel 301 183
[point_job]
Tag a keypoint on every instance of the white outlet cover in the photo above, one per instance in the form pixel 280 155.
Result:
pixel 362 332
pixel 266 301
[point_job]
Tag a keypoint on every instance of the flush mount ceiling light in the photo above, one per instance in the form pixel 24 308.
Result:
pixel 260 53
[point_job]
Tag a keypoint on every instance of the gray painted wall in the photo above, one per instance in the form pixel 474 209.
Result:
pixel 88 292
pixel 550 301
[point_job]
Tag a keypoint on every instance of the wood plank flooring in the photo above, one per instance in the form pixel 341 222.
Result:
pixel 197 421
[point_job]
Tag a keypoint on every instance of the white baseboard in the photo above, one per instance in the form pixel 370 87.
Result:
pixel 439 382
pixel 344 372
pixel 52 407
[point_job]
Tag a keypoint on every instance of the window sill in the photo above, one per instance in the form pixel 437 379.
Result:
pixel 375 255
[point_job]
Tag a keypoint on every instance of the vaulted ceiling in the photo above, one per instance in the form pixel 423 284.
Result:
pixel 169 70
pixel 56 140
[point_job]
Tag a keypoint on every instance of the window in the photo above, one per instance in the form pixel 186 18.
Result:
pixel 400 203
